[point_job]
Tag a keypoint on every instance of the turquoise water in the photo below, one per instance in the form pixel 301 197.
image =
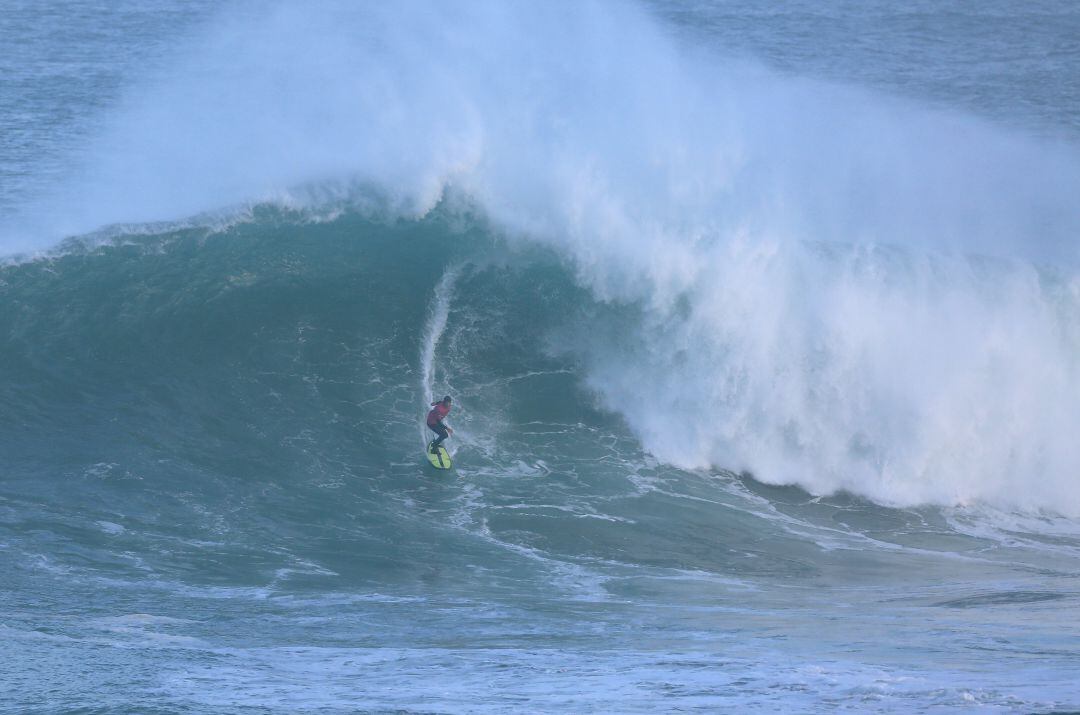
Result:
pixel 762 345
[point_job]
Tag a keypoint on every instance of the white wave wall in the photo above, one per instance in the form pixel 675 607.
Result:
pixel 837 289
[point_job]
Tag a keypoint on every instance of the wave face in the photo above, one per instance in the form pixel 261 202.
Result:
pixel 734 354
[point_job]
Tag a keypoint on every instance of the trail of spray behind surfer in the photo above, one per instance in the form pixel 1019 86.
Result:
pixel 433 330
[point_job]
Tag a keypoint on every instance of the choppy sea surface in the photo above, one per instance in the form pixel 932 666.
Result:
pixel 762 325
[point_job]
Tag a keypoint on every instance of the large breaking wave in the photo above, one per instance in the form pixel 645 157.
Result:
pixel 818 285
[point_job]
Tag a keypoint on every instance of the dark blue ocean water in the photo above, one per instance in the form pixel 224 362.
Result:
pixel 761 323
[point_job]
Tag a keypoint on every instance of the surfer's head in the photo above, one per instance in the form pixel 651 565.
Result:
pixel 446 400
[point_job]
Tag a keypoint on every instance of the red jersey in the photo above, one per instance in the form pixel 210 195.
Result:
pixel 437 414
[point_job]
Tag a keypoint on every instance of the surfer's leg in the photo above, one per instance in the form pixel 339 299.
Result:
pixel 443 434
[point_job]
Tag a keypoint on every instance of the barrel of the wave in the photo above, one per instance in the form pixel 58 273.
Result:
pixel 436 452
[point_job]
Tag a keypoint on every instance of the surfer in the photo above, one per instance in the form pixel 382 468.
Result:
pixel 439 411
